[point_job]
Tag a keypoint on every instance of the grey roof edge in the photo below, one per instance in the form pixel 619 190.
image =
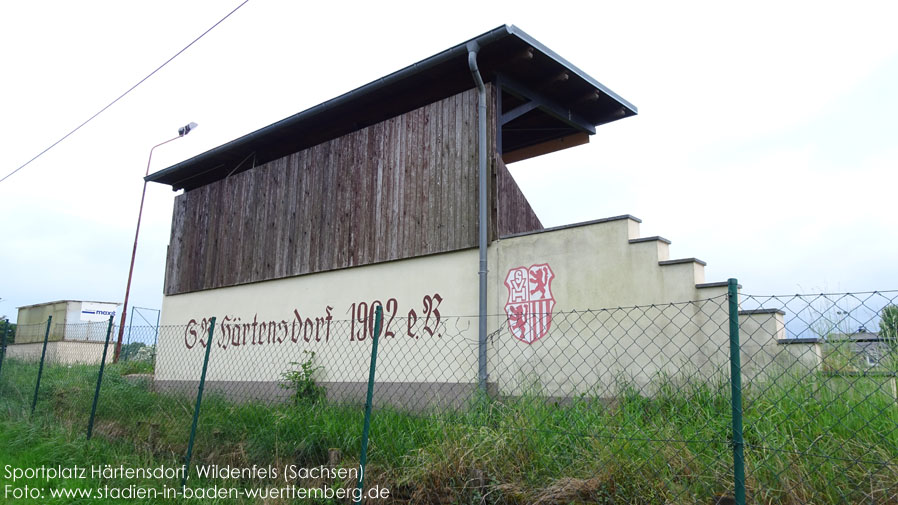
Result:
pixel 373 86
pixel 808 340
pixel 572 225
pixel 514 30
pixel 65 301
pixel 762 311
pixel 720 284
pixel 649 239
pixel 855 337
pixel 681 261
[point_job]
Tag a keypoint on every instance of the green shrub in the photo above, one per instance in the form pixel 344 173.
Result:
pixel 302 381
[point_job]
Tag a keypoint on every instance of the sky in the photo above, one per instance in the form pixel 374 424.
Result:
pixel 766 142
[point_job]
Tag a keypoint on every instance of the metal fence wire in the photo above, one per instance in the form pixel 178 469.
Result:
pixel 820 399
pixel 731 399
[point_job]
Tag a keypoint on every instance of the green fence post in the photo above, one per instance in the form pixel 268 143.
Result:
pixel 736 394
pixel 199 400
pixel 363 459
pixel 93 408
pixel 40 369
pixel 3 348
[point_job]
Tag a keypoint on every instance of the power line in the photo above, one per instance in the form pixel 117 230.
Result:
pixel 126 92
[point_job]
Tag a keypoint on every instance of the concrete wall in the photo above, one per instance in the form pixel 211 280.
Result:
pixel 94 331
pixel 65 352
pixel 263 327
pixel 766 352
pixel 31 322
pixel 596 266
pixel 431 307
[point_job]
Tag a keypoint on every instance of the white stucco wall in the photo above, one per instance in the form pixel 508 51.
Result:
pixel 420 288
pixel 593 266
pixel 596 267
pixel 64 352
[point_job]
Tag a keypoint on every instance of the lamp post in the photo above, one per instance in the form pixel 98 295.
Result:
pixel 182 131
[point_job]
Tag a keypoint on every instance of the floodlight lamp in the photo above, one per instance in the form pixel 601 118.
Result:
pixel 184 130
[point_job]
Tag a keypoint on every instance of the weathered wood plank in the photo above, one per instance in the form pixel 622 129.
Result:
pixel 514 213
pixel 468 220
pixel 493 157
pixel 272 218
pixel 284 223
pixel 342 167
pixel 461 166
pixel 419 175
pixel 318 176
pixel 380 190
pixel 248 234
pixel 174 259
pixel 234 235
pixel 189 240
pixel 433 191
pixel 401 188
pixel 304 211
pixel 260 209
pixel 444 197
pixel 371 173
pixel 210 235
pixel 328 235
pixel 452 169
pixel 398 148
pixel 406 220
pixel 220 231
pixel 394 162
pixel 202 205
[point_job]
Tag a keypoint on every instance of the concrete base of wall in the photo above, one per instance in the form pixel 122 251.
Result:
pixel 414 396
pixel 66 352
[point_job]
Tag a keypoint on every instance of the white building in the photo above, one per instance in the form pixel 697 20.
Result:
pixel 76 334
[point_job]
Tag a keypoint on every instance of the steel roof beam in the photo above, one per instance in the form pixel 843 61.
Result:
pixel 548 106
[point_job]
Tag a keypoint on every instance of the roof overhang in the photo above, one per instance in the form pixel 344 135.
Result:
pixel 549 99
pixel 65 301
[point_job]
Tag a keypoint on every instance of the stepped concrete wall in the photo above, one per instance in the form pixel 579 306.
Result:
pixel 431 306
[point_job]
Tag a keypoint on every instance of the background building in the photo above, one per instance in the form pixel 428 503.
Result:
pixel 76 335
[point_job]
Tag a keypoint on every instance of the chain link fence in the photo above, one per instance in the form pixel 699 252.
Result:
pixel 768 399
pixel 821 406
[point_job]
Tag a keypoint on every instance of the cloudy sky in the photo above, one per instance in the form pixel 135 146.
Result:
pixel 766 142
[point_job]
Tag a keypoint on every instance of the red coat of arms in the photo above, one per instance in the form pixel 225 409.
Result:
pixel 530 302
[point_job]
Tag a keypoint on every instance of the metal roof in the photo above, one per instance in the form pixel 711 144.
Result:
pixel 504 51
pixel 65 301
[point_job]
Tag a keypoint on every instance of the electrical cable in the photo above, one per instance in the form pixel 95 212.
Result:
pixel 125 93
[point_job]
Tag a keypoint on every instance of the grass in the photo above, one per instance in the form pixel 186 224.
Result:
pixel 817 440
pixel 36 444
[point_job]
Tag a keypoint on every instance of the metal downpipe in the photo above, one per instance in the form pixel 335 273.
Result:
pixel 482 211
